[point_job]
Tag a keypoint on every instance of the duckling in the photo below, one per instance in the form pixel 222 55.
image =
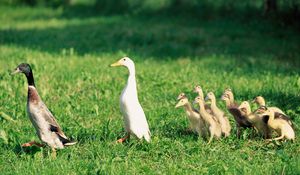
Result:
pixel 214 126
pixel 196 122
pixel 255 120
pixel 280 125
pixel 260 101
pixel 133 113
pixel 220 115
pixel 239 117
pixel 199 91
pixel 47 128
pixel 231 96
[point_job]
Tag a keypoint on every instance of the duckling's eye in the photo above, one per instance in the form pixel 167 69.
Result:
pixel 124 59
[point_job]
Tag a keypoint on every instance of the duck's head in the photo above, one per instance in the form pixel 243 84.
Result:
pixel 197 89
pixel 22 68
pixel 210 96
pixel 125 61
pixel 181 96
pixel 182 102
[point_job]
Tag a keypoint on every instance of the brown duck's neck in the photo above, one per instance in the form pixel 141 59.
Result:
pixel 30 79
pixel 33 96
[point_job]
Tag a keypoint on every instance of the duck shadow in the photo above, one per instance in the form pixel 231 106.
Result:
pixel 18 150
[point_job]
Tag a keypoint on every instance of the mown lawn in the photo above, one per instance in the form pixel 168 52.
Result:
pixel 70 55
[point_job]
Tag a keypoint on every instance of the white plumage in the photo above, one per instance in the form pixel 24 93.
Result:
pixel 133 113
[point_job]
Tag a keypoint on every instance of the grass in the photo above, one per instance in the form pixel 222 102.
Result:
pixel 70 54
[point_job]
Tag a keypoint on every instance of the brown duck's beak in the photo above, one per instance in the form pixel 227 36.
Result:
pixel 116 64
pixel 17 70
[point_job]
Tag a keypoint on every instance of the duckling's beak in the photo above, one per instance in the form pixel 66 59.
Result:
pixel 253 101
pixel 17 70
pixel 206 98
pixel 177 105
pixel 223 97
pixel 116 64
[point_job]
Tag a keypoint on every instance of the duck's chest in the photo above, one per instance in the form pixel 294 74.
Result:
pixel 36 117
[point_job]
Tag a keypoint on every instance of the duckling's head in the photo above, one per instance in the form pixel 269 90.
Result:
pixel 245 107
pixel 22 68
pixel 258 100
pixel 262 110
pixel 210 96
pixel 228 90
pixel 182 102
pixel 197 89
pixel 181 95
pixel 125 61
pixel 198 99
pixel 225 97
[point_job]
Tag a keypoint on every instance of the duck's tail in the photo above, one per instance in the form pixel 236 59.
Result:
pixel 66 142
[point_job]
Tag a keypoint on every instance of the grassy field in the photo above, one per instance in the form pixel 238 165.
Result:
pixel 70 53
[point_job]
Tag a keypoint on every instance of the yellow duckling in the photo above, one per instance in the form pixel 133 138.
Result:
pixel 260 101
pixel 214 126
pixel 196 122
pixel 255 120
pixel 219 114
pixel 280 125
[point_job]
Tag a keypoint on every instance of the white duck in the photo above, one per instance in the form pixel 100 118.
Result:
pixel 134 116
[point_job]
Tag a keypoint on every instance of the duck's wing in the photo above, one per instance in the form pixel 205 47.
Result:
pixel 53 125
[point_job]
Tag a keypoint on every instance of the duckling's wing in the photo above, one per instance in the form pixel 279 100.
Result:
pixel 239 117
pixel 265 118
pixel 283 117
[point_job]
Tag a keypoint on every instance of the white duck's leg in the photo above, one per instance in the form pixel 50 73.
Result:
pixel 121 140
pixel 28 144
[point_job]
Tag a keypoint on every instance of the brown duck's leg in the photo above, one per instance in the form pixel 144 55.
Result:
pixel 121 140
pixel 32 143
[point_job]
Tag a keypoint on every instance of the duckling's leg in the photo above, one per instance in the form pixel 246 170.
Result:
pixel 211 135
pixel 32 143
pixel 279 138
pixel 121 140
pixel 238 131
pixel 53 153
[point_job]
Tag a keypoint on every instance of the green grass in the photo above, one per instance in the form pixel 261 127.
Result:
pixel 70 55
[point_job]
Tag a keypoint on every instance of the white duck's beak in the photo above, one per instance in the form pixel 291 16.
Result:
pixel 17 70
pixel 118 63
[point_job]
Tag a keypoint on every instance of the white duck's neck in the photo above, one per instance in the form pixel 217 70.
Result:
pixel 131 82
